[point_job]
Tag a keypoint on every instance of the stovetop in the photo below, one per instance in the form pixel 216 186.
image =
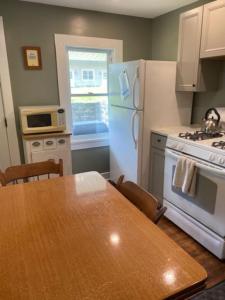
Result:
pixel 219 145
pixel 201 145
pixel 200 135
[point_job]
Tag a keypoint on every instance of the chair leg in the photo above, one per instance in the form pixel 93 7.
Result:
pixel 120 180
pixel 159 214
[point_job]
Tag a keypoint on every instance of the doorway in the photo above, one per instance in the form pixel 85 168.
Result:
pixel 9 148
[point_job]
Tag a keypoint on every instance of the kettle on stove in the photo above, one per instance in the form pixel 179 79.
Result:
pixel 210 124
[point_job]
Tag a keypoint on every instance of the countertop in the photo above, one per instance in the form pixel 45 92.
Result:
pixel 165 131
pixel 36 136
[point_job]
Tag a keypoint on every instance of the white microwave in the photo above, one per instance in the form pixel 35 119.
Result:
pixel 42 119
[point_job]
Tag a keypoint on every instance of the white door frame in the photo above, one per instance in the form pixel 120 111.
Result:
pixel 8 100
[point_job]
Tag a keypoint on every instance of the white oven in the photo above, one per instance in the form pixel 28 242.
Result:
pixel 208 205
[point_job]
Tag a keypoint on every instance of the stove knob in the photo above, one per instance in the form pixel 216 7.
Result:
pixel 212 157
pixel 221 160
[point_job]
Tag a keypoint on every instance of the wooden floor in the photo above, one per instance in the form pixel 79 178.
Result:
pixel 214 266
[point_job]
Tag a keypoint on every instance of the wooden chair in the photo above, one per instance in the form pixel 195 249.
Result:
pixel 26 171
pixel 143 200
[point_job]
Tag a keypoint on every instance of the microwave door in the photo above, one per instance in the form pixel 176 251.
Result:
pixel 39 120
pixel 42 119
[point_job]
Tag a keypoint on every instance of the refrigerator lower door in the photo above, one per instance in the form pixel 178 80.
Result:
pixel 125 135
pixel 126 84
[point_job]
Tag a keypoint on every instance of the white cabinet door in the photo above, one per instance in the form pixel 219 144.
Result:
pixel 189 49
pixel 53 154
pixel 213 31
pixel 157 173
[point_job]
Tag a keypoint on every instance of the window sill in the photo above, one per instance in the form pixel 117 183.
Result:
pixel 91 141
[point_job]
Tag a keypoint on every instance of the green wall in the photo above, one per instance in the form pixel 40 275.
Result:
pixel 202 101
pixel 165 33
pixel 91 159
pixel 164 47
pixel 35 24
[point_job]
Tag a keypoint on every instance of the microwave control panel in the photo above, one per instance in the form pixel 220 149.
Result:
pixel 61 117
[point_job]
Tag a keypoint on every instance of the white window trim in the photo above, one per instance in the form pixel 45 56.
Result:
pixel 8 100
pixel 90 141
pixel 62 42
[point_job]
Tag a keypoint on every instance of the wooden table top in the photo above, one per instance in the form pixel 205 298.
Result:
pixel 76 237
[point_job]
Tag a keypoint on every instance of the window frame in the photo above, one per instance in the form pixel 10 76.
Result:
pixel 88 71
pixel 62 44
pixel 72 76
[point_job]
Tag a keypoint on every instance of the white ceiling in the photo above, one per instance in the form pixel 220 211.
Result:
pixel 139 8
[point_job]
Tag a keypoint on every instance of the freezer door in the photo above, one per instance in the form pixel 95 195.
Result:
pixel 125 143
pixel 126 84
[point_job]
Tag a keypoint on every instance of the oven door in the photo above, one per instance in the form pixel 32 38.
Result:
pixel 208 204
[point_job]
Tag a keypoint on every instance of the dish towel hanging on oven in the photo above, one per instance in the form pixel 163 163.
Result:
pixel 185 176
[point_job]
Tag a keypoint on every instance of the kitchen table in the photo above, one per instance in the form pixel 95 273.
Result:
pixel 77 237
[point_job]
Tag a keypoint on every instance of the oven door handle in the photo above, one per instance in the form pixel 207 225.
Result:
pixel 210 169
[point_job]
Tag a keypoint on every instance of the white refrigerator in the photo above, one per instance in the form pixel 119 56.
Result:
pixel 141 97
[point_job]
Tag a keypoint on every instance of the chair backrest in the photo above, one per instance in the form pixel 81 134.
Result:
pixel 26 171
pixel 142 199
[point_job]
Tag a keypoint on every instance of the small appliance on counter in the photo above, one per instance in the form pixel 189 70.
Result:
pixel 45 136
pixel 42 119
pixel 221 111
pixel 211 122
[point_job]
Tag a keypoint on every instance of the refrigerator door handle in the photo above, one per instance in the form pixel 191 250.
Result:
pixel 133 91
pixel 133 129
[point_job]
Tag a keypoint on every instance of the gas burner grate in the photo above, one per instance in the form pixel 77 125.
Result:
pixel 219 145
pixel 200 135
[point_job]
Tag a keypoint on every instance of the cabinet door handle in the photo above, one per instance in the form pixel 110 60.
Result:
pixel 61 141
pixel 49 143
pixel 159 141
pixel 36 144
pixel 193 84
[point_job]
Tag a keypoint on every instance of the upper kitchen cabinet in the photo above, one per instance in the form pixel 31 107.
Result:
pixel 193 74
pixel 213 30
pixel 188 68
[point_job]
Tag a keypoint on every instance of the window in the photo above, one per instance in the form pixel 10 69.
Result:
pixel 72 78
pixel 88 75
pixel 89 94
pixel 82 64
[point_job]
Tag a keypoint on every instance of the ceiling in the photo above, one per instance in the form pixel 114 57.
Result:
pixel 140 8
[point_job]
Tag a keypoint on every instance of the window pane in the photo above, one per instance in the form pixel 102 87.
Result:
pixel 89 114
pixel 89 71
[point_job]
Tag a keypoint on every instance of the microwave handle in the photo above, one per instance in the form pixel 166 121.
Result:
pixel 212 170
